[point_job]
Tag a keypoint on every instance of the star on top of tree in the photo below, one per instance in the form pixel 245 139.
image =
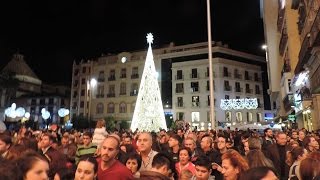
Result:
pixel 149 38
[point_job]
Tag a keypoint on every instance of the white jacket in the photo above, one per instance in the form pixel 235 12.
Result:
pixel 99 135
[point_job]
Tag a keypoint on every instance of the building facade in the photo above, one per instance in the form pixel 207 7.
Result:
pixel 183 80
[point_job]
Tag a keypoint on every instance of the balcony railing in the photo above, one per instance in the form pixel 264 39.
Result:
pixel 180 105
pixel 239 89
pixel 249 91
pixel 111 95
pixel 122 93
pixel 100 96
pixel 112 78
pixel 257 79
pixel 179 90
pixel 179 77
pixel 226 74
pixel 194 89
pixel 258 91
pixel 237 76
pixel 134 93
pixel 206 74
pixel 122 76
pixel 283 42
pixel 227 88
pixel 195 104
pixel 134 76
pixel 248 78
pixel 194 75
pixel 101 79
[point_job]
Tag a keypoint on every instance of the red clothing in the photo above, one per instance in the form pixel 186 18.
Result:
pixel 116 171
pixel 190 166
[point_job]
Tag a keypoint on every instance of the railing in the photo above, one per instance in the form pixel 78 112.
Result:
pixel 111 95
pixel 249 91
pixel 179 105
pixel 101 79
pixel 258 92
pixel 179 90
pixel 179 77
pixel 195 104
pixel 228 74
pixel 100 95
pixel 122 93
pixel 248 78
pixel 123 76
pixel 283 42
pixel 134 76
pixel 194 75
pixel 134 93
pixel 280 20
pixel 239 89
pixel 194 89
pixel 112 78
pixel 227 88
pixel 237 76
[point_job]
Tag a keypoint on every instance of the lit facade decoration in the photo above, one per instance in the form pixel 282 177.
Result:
pixel 148 113
pixel 248 103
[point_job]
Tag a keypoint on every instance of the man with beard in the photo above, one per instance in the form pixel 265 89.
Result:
pixel 109 167
pixel 267 139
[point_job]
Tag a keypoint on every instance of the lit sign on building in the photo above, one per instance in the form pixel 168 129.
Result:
pixel 248 103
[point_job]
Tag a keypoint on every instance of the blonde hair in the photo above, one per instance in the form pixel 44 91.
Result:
pixel 185 174
pixel 100 123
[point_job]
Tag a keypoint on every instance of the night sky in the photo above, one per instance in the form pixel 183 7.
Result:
pixel 52 34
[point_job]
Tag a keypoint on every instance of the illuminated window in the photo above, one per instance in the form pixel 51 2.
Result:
pixel 228 116
pixel 239 116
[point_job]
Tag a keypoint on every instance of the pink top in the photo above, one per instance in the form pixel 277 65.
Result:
pixel 190 166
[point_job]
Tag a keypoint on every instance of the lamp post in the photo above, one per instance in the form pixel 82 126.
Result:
pixel 93 83
pixel 212 113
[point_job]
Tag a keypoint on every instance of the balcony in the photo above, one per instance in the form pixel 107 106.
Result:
pixel 239 90
pixel 250 91
pixel 101 79
pixel 258 91
pixel 194 75
pixel 179 77
pixel 111 95
pixel 195 104
pixel 283 42
pixel 100 96
pixel 194 89
pixel 112 78
pixel 257 79
pixel 237 76
pixel 123 76
pixel 248 78
pixel 227 88
pixel 180 105
pixel 134 93
pixel 134 76
pixel 179 90
pixel 226 74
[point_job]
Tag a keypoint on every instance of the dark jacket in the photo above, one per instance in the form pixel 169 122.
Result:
pixel 273 154
pixel 151 175
pixel 56 161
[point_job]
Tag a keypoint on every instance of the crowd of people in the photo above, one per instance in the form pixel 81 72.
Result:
pixel 180 154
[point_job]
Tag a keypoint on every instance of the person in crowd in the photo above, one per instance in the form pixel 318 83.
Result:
pixel 100 133
pixel 277 153
pixel 163 142
pixel 301 136
pixel 127 140
pixel 55 158
pixel 184 161
pixel 29 143
pixel 14 152
pixel 144 144
pixel 294 157
pixel 160 168
pixel 174 146
pixel 5 143
pixel 309 143
pixel 293 144
pixel 109 167
pixel 259 173
pixel 309 168
pixel 243 147
pixel 180 133
pixel 33 166
pixel 64 174
pixel 8 170
pixel 133 163
pixel 206 146
pixel 255 156
pixel 294 135
pixel 88 149
pixel 69 150
pixel 233 165
pixel 203 169
pixel 195 151
pixel 222 149
pixel 185 175
pixel 87 169
pixel 268 138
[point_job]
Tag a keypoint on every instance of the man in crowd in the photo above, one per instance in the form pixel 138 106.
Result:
pixel 294 135
pixel 87 149
pixel 144 144
pixel 277 153
pixel 174 146
pixel 203 169
pixel 56 160
pixel 191 143
pixel 302 135
pixel 69 150
pixel 5 143
pixel 267 139
pixel 109 167
pixel 161 168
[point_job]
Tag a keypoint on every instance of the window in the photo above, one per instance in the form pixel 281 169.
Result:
pixel 237 97
pixel 51 101
pixel 82 104
pixel 134 89
pixel 75 84
pixel 83 69
pixel 257 88
pixel 238 116
pixel 207 72
pixel 123 73
pixel 228 116
pixel 179 75
pixel 195 116
pixel 122 107
pixel 180 102
pixel 112 75
pixel 227 87
pixel 246 75
pixel 226 96
pixel 82 92
pixel 179 88
pixel 110 108
pixel 208 100
pixel 238 88
pixel 111 91
pixel 83 81
pixel 42 101
pixel 248 90
pixel 180 115
pixel 33 102
pixel 135 73
pixel 256 77
pixel 194 73
pixel 259 103
pixel 259 117
pixel 101 76
pixel 289 85
pixel 249 117
pixel 76 72
pixel 225 72
pixel 195 101
pixel 99 108
pixel 194 86
pixel 123 89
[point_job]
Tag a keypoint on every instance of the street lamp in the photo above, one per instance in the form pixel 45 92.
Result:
pixel 212 113
pixel 93 83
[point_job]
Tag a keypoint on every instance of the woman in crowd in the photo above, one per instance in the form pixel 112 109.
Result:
pixel 233 165
pixel 185 161
pixel 309 143
pixel 33 166
pixel 133 163
pixel 294 157
pixel 255 156
pixel 87 169
pixel 259 173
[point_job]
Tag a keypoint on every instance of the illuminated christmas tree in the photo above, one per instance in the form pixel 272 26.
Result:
pixel 148 113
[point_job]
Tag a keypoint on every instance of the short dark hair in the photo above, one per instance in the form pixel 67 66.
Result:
pixel 87 134
pixel 187 149
pixel 160 160
pixel 91 160
pixel 266 130
pixel 6 139
pixel 203 161
pixel 256 173
pixel 176 137
pixel 136 157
